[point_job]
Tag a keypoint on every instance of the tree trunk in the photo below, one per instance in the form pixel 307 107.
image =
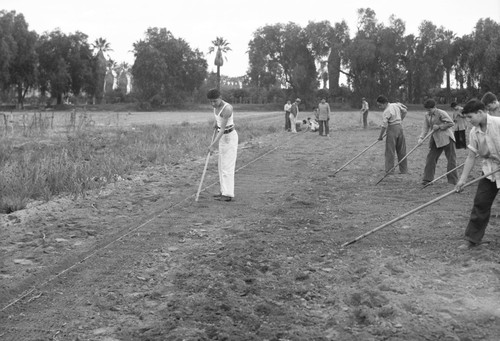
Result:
pixel 333 72
pixel 448 85
pixel 20 104
pixel 218 77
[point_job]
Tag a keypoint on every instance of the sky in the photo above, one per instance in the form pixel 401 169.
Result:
pixel 199 22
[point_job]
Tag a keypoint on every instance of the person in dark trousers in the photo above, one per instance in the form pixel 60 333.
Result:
pixel 442 139
pixel 395 142
pixel 460 126
pixel 324 117
pixel 484 141
pixel 364 112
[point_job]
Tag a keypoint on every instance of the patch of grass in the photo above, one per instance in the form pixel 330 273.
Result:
pixel 37 164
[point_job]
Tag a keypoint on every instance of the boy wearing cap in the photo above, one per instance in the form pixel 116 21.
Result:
pixel 484 141
pixel 442 139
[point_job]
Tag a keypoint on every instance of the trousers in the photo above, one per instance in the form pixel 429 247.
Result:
pixel 365 119
pixel 433 156
pixel 395 143
pixel 287 121
pixel 293 123
pixel 323 127
pixel 481 210
pixel 460 139
pixel 228 150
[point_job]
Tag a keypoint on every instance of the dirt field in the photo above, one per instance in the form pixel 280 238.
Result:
pixel 141 260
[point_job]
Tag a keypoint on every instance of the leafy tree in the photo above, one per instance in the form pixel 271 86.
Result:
pixel 485 62
pixel 18 59
pixel 463 45
pixel 409 63
pixel 166 68
pixel 262 72
pixel 427 68
pixel 376 57
pixel 319 35
pixel 220 46
pixel 280 52
pixel 391 47
pixel 65 63
pixel 448 51
pixel 79 59
pixel 362 57
pixel 337 59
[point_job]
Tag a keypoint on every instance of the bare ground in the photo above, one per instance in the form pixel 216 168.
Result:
pixel 141 260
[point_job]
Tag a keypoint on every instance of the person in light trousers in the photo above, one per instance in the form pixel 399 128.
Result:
pixel 227 141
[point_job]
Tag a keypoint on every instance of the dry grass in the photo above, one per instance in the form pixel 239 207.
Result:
pixel 40 159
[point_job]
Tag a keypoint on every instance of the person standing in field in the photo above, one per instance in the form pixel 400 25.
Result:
pixel 395 142
pixel 491 103
pixel 227 141
pixel 364 112
pixel 484 141
pixel 324 117
pixel 460 126
pixel 294 112
pixel 288 106
pixel 442 139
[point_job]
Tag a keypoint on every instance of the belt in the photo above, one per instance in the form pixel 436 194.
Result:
pixel 227 131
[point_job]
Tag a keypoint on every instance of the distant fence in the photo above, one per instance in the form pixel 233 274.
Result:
pixel 42 120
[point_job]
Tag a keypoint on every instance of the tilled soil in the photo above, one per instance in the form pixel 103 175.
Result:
pixel 141 260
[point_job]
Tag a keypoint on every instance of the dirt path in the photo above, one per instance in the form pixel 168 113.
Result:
pixel 143 261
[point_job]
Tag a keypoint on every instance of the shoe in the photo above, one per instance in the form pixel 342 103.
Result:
pixel 217 195
pixel 426 183
pixel 467 245
pixel 224 198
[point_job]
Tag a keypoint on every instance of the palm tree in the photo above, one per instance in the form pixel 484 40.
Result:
pixel 100 46
pixel 123 72
pixel 222 47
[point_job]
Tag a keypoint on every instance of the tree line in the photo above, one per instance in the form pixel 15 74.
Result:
pixel 378 59
pixel 285 60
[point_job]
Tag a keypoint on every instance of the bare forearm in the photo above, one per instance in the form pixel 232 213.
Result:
pixel 469 164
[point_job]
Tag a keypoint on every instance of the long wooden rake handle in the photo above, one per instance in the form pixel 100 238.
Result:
pixel 354 158
pixel 445 174
pixel 404 158
pixel 415 210
pixel 204 170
